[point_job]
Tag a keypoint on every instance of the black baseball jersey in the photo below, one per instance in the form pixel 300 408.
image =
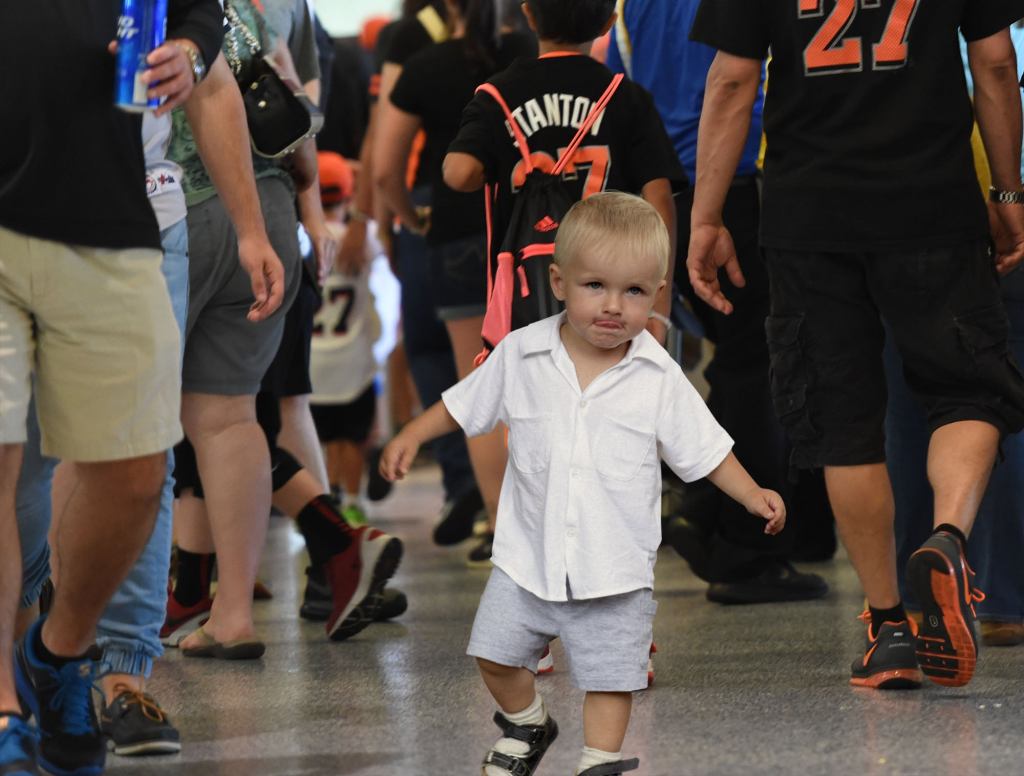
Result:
pixel 550 97
pixel 867 116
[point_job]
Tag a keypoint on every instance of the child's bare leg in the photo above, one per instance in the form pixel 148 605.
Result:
pixel 512 687
pixel 333 459
pixel 351 466
pixel 605 719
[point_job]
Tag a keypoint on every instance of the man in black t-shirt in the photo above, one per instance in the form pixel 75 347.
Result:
pixel 871 210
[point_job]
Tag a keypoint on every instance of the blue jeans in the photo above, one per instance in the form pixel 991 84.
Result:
pixel 129 631
pixel 997 540
pixel 429 351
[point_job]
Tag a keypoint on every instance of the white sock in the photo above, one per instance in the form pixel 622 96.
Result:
pixel 592 757
pixel 352 500
pixel 534 714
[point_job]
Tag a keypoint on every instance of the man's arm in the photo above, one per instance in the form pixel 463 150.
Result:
pixel 192 25
pixel 997 106
pixel 217 117
pixel 724 124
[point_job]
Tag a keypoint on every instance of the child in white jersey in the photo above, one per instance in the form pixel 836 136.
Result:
pixel 343 367
pixel 593 404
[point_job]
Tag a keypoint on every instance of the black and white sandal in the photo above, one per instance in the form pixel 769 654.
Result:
pixel 537 737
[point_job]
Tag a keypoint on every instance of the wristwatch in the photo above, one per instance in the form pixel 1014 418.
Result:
pixel 195 59
pixel 1005 197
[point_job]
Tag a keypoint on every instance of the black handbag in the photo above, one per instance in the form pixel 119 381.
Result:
pixel 280 115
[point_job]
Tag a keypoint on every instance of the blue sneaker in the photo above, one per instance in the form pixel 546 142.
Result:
pixel 71 743
pixel 19 747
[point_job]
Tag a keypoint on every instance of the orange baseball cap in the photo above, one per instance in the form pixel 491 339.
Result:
pixel 336 179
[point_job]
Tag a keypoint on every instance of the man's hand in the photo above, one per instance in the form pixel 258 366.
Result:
pixel 170 74
pixel 710 248
pixel 769 505
pixel 266 274
pixel 1007 223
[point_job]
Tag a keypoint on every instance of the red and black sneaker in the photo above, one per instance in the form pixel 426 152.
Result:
pixel 889 662
pixel 357 577
pixel 182 620
pixel 943 583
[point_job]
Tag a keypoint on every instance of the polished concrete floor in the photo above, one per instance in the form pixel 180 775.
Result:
pixel 754 690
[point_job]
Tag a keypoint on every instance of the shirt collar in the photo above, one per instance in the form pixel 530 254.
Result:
pixel 544 337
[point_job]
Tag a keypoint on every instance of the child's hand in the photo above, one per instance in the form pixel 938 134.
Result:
pixel 769 505
pixel 397 457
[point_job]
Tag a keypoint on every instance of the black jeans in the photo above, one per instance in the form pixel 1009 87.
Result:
pixel 740 400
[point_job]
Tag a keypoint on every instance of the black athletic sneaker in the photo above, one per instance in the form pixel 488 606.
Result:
pixel 377 488
pixel 71 743
pixel 612 769
pixel 943 584
pixel 134 724
pixel 779 582
pixel 889 662
pixel 537 737
pixel 480 556
pixel 457 517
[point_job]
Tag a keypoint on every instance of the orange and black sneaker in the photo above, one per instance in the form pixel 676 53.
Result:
pixel 943 583
pixel 889 662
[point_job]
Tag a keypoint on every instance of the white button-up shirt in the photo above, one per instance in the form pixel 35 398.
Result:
pixel 581 500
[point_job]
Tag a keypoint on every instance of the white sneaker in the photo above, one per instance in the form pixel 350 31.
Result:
pixel 546 664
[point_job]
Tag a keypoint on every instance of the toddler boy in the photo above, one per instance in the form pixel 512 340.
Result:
pixel 592 403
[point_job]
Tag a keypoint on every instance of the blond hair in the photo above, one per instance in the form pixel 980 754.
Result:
pixel 616 218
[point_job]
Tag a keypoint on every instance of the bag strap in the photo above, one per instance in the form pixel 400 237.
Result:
pixel 517 133
pixel 595 114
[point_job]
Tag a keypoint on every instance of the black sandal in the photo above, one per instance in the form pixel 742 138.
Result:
pixel 537 737
pixel 612 769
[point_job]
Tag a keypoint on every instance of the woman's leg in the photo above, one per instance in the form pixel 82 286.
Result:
pixel 234 465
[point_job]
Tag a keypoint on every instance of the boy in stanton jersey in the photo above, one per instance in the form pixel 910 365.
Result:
pixel 550 97
pixel 592 403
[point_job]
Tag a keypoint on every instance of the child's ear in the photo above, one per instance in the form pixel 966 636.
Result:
pixel 528 13
pixel 608 24
pixel 557 281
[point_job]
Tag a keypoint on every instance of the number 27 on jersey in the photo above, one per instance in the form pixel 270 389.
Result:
pixel 831 51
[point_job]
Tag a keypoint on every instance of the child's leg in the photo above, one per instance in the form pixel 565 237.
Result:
pixel 335 468
pixel 605 719
pixel 350 466
pixel 511 687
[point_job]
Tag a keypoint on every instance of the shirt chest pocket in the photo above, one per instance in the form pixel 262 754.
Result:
pixel 529 443
pixel 618 450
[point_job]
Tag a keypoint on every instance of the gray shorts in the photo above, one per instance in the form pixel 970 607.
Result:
pixel 226 354
pixel 607 640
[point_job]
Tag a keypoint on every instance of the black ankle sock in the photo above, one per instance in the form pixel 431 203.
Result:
pixel 949 528
pixel 194 573
pixel 47 656
pixel 879 616
pixel 324 529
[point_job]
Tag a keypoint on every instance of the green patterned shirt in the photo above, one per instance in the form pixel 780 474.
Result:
pixel 196 181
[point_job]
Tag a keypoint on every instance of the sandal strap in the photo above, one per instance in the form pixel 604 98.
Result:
pixel 612 769
pixel 528 734
pixel 514 765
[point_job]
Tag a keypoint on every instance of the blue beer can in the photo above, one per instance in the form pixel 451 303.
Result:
pixel 141 28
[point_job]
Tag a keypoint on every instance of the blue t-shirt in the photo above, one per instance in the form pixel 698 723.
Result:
pixel 670 66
